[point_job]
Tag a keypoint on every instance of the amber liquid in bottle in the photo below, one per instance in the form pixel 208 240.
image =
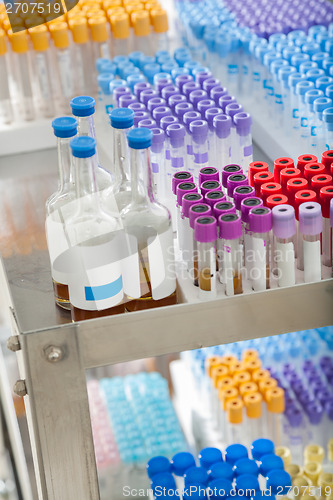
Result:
pixel 238 287
pixel 82 314
pixel 61 295
pixel 205 279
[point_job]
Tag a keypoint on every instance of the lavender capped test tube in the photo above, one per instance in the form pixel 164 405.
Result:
pixel 174 100
pixel 217 92
pixel 234 181
pixel 243 122
pixel 197 210
pixel 177 179
pixel 161 83
pixel 222 125
pixel 182 108
pixel 199 134
pixel 164 123
pixel 209 114
pixel 228 170
pixel 210 185
pixel 210 83
pixel 140 87
pixel 189 87
pixel 181 80
pixel 126 100
pixel 204 106
pixel 147 123
pixel 118 92
pixel 137 106
pixel 176 138
pixel 230 253
pixel 225 100
pixel 311 226
pixel 208 174
pixel 160 112
pixel 215 196
pixel 146 95
pixel 205 234
pixel 155 102
pixel 260 222
pixel 188 201
pixel 182 189
pixel 157 162
pixel 201 76
pixel 284 230
pixel 140 115
pixel 196 97
pixel 188 118
pixel 169 91
pixel 231 110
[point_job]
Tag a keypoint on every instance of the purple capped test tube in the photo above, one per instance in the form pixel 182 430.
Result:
pixel 164 123
pixel 189 87
pixel 215 196
pixel 182 79
pixel 231 110
pixel 205 235
pixel 125 100
pixel 137 106
pixel 174 100
pixel 147 123
pixel 217 92
pixel 188 118
pixel 201 76
pixel 260 221
pixel 222 125
pixel 155 102
pixel 228 170
pixel 243 124
pixel 176 142
pixel 160 112
pixel 210 185
pixel 241 193
pixel 199 135
pixel 230 253
pixel 284 230
pixel 188 201
pixel 182 108
pixel 196 210
pixel 196 96
pixel 118 92
pixel 210 83
pixel 140 115
pixel 157 162
pixel 234 181
pixel 140 87
pixel 208 174
pixel 182 189
pixel 204 105
pixel 225 100
pixel 161 83
pixel 310 227
pixel 208 112
pixel 146 95
pixel 168 91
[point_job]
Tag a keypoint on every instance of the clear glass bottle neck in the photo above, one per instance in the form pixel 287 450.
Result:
pixel 85 177
pixel 141 177
pixel 121 162
pixel 86 126
pixel 65 173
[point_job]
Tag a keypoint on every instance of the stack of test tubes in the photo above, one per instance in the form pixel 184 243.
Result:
pixel 254 472
pixel 61 65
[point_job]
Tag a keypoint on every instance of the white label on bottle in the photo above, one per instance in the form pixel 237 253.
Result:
pixel 258 271
pixel 130 264
pixel 58 246
pixel 228 271
pixel 65 70
pixel 42 74
pixel 285 257
pixel 161 264
pixel 96 283
pixel 312 261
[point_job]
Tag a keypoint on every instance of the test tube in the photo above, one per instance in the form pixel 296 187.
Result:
pixel 205 234
pixel 301 196
pixel 230 253
pixel 208 186
pixel 120 29
pixel 141 30
pixel 256 167
pixel 197 210
pixel 188 201
pixel 276 200
pixel 284 230
pixel 310 227
pixel 243 122
pixel 234 181
pixel 222 125
pixel 176 135
pixel 82 54
pixel 100 36
pixel 327 160
pixel 261 178
pixel 241 193
pixel 199 134
pixel 260 225
pixel 208 174
pixel 139 116
pixel 22 73
pixel 253 407
pixel 188 118
pixel 181 189
pixel 160 112
pixel 235 421
pixel 312 169
pixel 246 206
pixel 157 162
pixel 6 110
pixel 280 164
pixel 209 115
pixel 320 181
pixel 325 197
pixel 213 197
pixel 269 189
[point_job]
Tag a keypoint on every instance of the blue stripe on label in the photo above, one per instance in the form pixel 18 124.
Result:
pixel 104 291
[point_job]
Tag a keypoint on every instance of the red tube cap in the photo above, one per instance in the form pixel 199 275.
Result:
pixel 261 178
pixel 280 164
pixel 304 160
pixel 327 160
pixel 303 196
pixel 276 199
pixel 325 197
pixel 319 181
pixel 256 167
pixel 295 185
pixel 285 175
pixel 269 189
pixel 312 169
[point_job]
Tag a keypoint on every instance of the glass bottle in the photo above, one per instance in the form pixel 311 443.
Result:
pixel 148 232
pixel 65 128
pixel 95 238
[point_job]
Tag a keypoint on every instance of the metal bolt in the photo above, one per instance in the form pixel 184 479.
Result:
pixel 53 354
pixel 20 388
pixel 13 343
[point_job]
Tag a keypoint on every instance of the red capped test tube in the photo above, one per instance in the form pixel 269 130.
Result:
pixel 261 178
pixel 319 181
pixel 256 167
pixel 285 175
pixel 295 185
pixel 303 160
pixel 312 169
pixel 275 200
pixel 327 160
pixel 269 189
pixel 280 164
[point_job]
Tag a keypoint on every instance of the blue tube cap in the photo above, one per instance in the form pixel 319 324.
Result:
pixel 219 488
pixel 246 485
pixel 135 57
pixel 329 92
pixel 150 70
pixel 195 491
pixel 140 138
pixel 163 480
pixel 314 74
pixel 303 87
pixel 122 118
pixel 323 82
pixel 261 447
pixel 235 452
pixel 221 470
pixel 196 475
pixel 328 118
pixel 183 460
pixel 83 105
pixel 83 147
pixel 278 482
pixel 104 80
pixel 64 127
pixel 210 456
pixel 321 103
pixel 246 466
pixel 100 61
pixel 158 465
pixel 108 67
pixel 270 462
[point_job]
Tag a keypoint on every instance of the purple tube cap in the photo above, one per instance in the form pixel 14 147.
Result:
pixel 247 205
pixel 260 220
pixel 167 120
pixel 189 200
pixel 284 222
pixel 210 83
pixel 310 218
pixel 182 79
pixel 183 188
pixel 230 226
pixel 241 193
pixel 243 122
pixel 140 115
pixel 202 76
pixel 205 229
pixel 225 100
pixel 160 112
pixel 176 133
pixel 189 87
pixel 196 96
pixel 217 92
pixel 224 207
pixel 180 177
pixel 189 117
pixel 210 185
pixel 147 94
pixel 147 123
pixel 222 124
pixel 199 131
pixel 169 90
pixel 125 100
pixel 137 106
pixel 155 102
pixel 234 181
pixel 204 105
pixel 119 91
pixel 210 113
pixel 215 196
pixel 233 108
pixel 176 99
pixel 228 170
pixel 315 413
pixel 158 140
pixel 198 210
pixel 208 174
pixel 182 108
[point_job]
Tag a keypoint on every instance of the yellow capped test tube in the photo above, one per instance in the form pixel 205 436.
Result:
pixel 275 405
pixel 253 365
pixel 241 378
pixel 237 367
pixel 218 373
pixel 235 421
pixel 229 360
pixel 6 110
pixel 312 470
pixel 248 388
pixel 160 24
pixel 253 408
pixel 250 354
pixel 210 363
pixel 226 393
pixel 82 56
pixel 285 453
pixel 259 375
pixel 294 470
pixel 141 27
pixel 99 29
pixel 314 453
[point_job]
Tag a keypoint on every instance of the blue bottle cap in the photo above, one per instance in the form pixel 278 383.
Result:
pixel 64 126
pixel 235 452
pixel 270 462
pixel 163 480
pixel 196 475
pixel 83 105
pixel 100 61
pixel 129 70
pixel 219 488
pixel 261 447
pixel 195 491
pixel 104 80
pixel 306 66
pixel 146 60
pixel 183 460
pixel 122 118
pixel 221 470
pixel 278 482
pixel 158 465
pixel 210 456
pixel 83 147
pixel 246 466
pixel 246 484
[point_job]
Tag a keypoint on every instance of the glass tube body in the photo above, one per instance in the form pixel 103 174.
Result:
pixel 223 149
pixel 65 71
pixel 312 258
pixel 121 168
pixel 284 254
pixel 83 63
pixel 42 66
pixel 120 46
pixel 246 151
pixel 157 163
pixel 6 110
pixel 22 79
pixel 207 270
pixel 261 247
pixel 200 157
pixel 230 264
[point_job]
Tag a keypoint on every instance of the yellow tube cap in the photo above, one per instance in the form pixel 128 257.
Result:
pixel 284 453
pixel 59 34
pixel 293 470
pixel 229 360
pixel 79 29
pixel 133 6
pixel 314 453
pixel 235 411
pixel 120 25
pixel 224 384
pixel 275 400
pixel 3 46
pixel 242 378
pixel 98 28
pixel 219 373
pixel 238 367
pixel 301 485
pixel 107 4
pixel 210 363
pixel 19 41
pixel 253 364
pixel 248 388
pixel 253 405
pixel 39 38
pixel 159 20
pixel 141 23
pixel 113 11
pixel 267 384
pixel 228 394
pixel 325 481
pixel 312 470
pixel 250 354
pixel 259 375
